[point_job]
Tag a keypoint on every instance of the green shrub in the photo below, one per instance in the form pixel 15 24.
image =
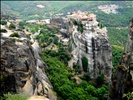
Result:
pixel 77 68
pixel 86 76
pixel 22 24
pixel 74 22
pixel 67 89
pixel 28 36
pixel 129 96
pixel 116 54
pixel 84 63
pixel 13 39
pixel 91 90
pixel 14 35
pixel 55 40
pixel 15 97
pixel 3 22
pixel 80 27
pixel 99 80
pixel 3 30
pixel 12 26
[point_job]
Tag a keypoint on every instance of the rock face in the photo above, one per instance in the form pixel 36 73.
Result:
pixel 22 68
pixel 93 44
pixel 122 81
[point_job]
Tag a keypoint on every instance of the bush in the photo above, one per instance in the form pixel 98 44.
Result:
pixel 3 30
pixel 99 80
pixel 22 24
pixel 3 22
pixel 76 67
pixel 28 36
pixel 14 35
pixel 84 63
pixel 55 40
pixel 12 26
pixel 61 78
pixel 13 39
pixel 74 22
pixel 15 97
pixel 86 76
pixel 91 90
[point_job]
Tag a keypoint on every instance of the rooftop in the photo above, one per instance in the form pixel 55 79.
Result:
pixel 82 16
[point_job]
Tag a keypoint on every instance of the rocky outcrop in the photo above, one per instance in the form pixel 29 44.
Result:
pixel 122 81
pixel 22 69
pixel 93 44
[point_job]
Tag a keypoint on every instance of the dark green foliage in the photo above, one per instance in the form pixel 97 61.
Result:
pixel 77 68
pixel 22 24
pixel 15 97
pixel 86 76
pixel 3 30
pixel 74 22
pixel 13 39
pixel 55 40
pixel 117 36
pixel 45 38
pixel 102 92
pixel 99 80
pixel 61 78
pixel 116 55
pixel 84 63
pixel 70 47
pixel 2 83
pixel 3 22
pixel 14 35
pixel 31 27
pixel 12 26
pixel 91 90
pixel 61 55
pixel 79 24
pixel 43 31
pixel 28 36
pixel 80 27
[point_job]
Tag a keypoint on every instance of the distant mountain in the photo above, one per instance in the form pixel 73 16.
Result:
pixel 27 10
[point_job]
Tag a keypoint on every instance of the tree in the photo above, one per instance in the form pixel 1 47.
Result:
pixel 3 30
pixel 80 27
pixel 84 63
pixel 3 22
pixel 99 80
pixel 22 24
pixel 12 26
pixel 74 22
pixel 55 40
pixel 14 35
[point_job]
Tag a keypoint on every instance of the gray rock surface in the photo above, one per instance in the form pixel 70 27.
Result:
pixel 122 81
pixel 23 69
pixel 93 44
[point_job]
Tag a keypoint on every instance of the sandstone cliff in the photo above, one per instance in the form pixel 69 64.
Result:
pixel 122 82
pixel 93 44
pixel 22 69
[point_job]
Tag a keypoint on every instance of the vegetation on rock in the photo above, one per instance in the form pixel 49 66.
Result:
pixel 3 22
pixel 14 35
pixel 12 26
pixel 3 30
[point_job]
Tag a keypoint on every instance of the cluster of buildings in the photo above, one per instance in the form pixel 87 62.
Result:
pixel 109 8
pixel 83 16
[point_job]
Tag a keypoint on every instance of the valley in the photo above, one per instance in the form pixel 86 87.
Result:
pixel 76 51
